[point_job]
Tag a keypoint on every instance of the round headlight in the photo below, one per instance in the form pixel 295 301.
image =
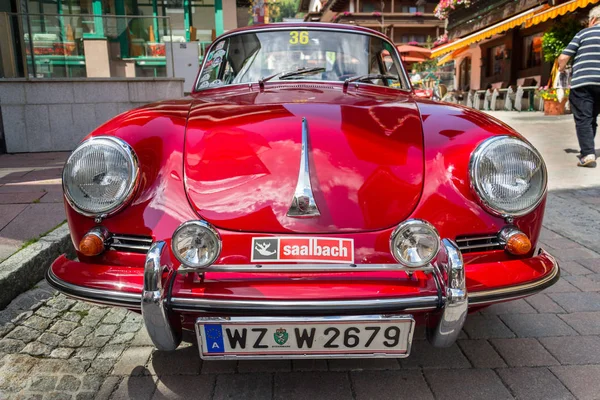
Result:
pixel 415 243
pixel 196 244
pixel 100 175
pixel 509 176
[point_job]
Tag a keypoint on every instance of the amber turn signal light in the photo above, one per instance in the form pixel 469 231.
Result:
pixel 518 244
pixel 91 244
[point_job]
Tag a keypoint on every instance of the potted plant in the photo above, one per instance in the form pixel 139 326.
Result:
pixel 552 104
pixel 554 42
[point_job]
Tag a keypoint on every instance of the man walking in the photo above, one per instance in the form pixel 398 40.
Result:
pixel 585 85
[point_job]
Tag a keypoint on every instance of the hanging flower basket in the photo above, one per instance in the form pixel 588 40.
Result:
pixel 445 6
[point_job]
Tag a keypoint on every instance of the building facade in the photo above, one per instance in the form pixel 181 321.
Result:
pixel 405 22
pixel 498 43
pixel 106 38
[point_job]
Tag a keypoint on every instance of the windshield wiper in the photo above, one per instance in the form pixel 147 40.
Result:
pixel 368 77
pixel 285 75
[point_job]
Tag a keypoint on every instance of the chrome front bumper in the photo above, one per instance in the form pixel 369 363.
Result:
pixel 159 310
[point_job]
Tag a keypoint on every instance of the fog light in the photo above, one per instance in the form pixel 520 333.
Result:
pixel 516 242
pixel 414 243
pixel 92 243
pixel 196 244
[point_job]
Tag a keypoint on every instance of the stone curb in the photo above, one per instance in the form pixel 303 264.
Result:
pixel 24 269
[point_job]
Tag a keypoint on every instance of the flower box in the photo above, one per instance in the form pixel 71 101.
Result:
pixel 554 107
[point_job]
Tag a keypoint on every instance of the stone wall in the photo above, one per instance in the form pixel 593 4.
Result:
pixel 54 115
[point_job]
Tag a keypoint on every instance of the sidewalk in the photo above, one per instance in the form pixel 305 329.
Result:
pixel 30 198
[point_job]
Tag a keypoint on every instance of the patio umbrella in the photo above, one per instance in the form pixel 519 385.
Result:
pixel 410 53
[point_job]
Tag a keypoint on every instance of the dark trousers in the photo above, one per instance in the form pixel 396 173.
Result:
pixel 585 105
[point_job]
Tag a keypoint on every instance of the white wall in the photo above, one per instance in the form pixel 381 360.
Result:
pixel 54 115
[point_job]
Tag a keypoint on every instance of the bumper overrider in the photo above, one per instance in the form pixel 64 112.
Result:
pixel 160 309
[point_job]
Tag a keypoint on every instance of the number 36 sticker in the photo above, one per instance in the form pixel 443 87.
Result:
pixel 299 37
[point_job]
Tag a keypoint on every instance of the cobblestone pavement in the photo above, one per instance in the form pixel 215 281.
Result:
pixel 544 347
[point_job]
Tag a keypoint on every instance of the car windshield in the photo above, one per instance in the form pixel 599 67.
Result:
pixel 301 54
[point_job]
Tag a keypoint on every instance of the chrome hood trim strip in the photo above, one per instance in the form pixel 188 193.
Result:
pixel 303 203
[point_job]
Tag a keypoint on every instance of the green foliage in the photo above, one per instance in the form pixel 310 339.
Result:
pixel 283 9
pixel 558 37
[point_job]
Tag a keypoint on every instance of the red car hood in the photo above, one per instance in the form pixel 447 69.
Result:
pixel 243 148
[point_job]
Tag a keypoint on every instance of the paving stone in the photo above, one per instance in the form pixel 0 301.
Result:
pixel 244 386
pixel 221 367
pixel 115 316
pixel 105 330
pixel 81 306
pixel 400 385
pixel 591 264
pixel 6 328
pixel 11 345
pixel 87 353
pixel 85 396
pixel 537 325
pixel 481 354
pixel 509 307
pixel 574 350
pixel 476 384
pixel 174 387
pixel 58 396
pixel 362 364
pixel 91 382
pixel 584 283
pixel 246 366
pixel 75 366
pixel 577 302
pixel 107 388
pixel 534 383
pixel 586 323
pixel 544 304
pixel 523 352
pixel 130 327
pixel 69 383
pixel 312 386
pixel 573 268
pixel 132 358
pixel 37 349
pixel 95 341
pixel 581 380
pixel 51 339
pixel 424 355
pixel 305 365
pixel 121 338
pixel 71 317
pixel 63 327
pixel 101 366
pixel 47 366
pixel 111 351
pixel 486 327
pixel 24 334
pixel 43 383
pixel 576 252
pixel 37 323
pixel 60 303
pixel 183 361
pixel 73 341
pixel 135 387
pixel 141 338
pixel 62 353
pixel 561 286
pixel 47 312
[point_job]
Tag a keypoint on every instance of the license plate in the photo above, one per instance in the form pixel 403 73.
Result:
pixel 305 337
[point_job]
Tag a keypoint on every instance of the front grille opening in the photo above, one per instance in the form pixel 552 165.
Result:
pixel 130 243
pixel 472 244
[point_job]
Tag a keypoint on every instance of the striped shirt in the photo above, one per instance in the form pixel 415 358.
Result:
pixel 585 47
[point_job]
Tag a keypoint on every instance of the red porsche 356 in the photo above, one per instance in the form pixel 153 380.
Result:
pixel 303 202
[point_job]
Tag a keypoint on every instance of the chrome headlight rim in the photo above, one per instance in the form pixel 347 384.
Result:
pixel 205 225
pixel 133 178
pixel 410 223
pixel 476 190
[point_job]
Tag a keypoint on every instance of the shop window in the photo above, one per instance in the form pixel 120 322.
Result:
pixel 413 9
pixel 532 51
pixel 495 62
pixel 464 74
